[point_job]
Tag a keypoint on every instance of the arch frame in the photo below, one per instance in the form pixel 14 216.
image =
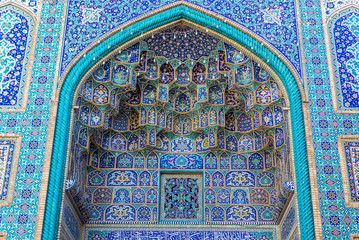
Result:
pixel 53 178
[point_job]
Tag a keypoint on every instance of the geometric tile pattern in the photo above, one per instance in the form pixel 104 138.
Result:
pixel 338 221
pixel 19 220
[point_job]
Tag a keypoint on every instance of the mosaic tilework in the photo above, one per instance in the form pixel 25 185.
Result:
pixel 274 21
pixel 289 223
pixel 15 41
pixel 126 132
pixel 71 225
pixel 343 34
pixel 19 220
pixel 112 234
pixel 30 5
pixel 330 7
pixel 349 147
pixel 7 151
pixel 338 221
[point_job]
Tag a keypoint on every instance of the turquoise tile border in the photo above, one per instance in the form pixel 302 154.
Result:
pixel 54 195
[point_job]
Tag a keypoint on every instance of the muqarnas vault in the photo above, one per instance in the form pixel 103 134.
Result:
pixel 181 128
pixel 201 119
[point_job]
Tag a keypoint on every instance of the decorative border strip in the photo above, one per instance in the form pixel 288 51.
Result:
pixel 184 229
pixel 14 164
pixel 179 11
pixel 344 167
pixel 354 236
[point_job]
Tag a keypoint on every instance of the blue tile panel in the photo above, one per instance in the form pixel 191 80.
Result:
pixel 274 21
pixel 300 152
pixel 344 50
pixel 337 220
pixel 15 40
pixel 19 220
pixel 112 234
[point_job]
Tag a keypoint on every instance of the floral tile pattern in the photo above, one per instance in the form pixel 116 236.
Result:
pixel 86 21
pixel 344 48
pixel 275 21
pixel 15 42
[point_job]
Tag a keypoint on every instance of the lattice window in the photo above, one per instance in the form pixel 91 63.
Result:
pixel 181 196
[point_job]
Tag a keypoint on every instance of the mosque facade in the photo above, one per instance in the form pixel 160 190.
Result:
pixel 191 119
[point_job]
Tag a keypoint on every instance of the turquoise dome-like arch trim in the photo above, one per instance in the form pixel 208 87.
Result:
pixel 73 78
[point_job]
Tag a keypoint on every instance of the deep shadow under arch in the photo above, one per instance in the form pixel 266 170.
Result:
pixel 84 64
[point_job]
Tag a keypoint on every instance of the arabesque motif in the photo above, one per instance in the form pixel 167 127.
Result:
pixel 15 41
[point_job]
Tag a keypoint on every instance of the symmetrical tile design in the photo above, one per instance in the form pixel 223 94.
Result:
pixel 15 41
pixel 181 197
pixel 339 221
pixel 152 107
pixel 342 29
pixel 19 220
pixel 273 21
pixel 132 234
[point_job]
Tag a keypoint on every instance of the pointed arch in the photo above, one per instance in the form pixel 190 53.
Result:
pixel 232 33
